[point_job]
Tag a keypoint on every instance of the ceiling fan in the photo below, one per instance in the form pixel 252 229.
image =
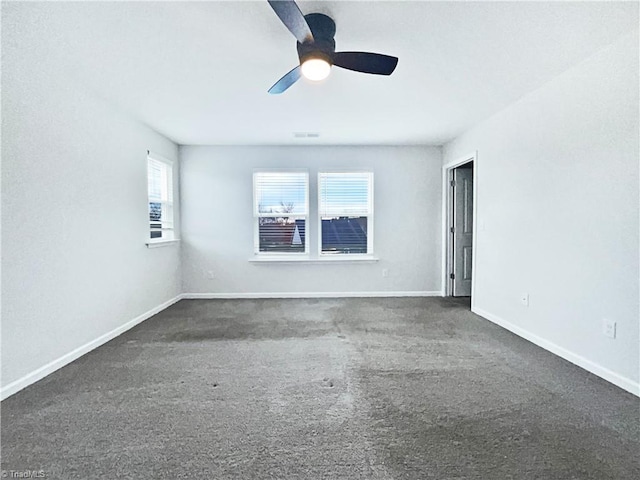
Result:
pixel 317 48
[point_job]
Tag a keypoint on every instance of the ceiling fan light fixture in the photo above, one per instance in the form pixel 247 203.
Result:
pixel 316 69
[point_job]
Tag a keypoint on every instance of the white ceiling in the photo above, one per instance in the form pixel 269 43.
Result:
pixel 198 72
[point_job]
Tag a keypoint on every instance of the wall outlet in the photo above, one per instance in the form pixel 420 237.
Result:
pixel 385 272
pixel 524 299
pixel 210 275
pixel 609 328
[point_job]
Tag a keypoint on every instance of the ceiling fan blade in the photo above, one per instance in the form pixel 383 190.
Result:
pixel 365 62
pixel 293 19
pixel 285 82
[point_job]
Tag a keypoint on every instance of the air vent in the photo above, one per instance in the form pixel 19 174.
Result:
pixel 306 134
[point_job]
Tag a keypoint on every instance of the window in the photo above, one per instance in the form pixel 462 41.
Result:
pixel 281 210
pixel 345 207
pixel 160 189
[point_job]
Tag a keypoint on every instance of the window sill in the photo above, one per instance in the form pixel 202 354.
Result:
pixel 162 243
pixel 317 260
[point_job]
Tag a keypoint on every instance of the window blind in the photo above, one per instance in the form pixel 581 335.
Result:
pixel 160 192
pixel 278 193
pixel 345 194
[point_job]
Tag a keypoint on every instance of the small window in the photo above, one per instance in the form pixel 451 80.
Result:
pixel 160 189
pixel 281 210
pixel 345 207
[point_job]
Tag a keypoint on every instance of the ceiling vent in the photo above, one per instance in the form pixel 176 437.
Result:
pixel 306 134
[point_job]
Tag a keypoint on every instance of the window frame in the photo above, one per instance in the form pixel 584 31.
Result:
pixel 168 233
pixel 370 216
pixel 257 215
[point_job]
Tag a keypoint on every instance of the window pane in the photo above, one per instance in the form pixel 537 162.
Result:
pixel 155 211
pixel 155 215
pixel 155 233
pixel 281 234
pixel 281 192
pixel 344 235
pixel 160 190
pixel 345 194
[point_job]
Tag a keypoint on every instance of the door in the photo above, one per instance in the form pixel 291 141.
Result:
pixel 462 230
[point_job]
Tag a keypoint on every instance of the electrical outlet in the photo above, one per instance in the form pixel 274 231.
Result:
pixel 524 299
pixel 385 272
pixel 609 328
pixel 210 275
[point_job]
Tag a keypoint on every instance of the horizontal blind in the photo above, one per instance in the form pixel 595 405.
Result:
pixel 160 191
pixel 159 180
pixel 345 194
pixel 278 193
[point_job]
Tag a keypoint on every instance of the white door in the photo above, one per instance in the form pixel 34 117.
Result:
pixel 462 230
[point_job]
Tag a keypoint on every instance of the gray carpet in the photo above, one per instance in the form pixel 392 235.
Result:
pixel 321 389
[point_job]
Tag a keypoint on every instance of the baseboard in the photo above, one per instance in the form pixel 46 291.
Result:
pixel 51 367
pixel 602 372
pixel 193 296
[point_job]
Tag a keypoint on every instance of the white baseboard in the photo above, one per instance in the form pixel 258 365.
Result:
pixel 51 367
pixel 602 372
pixel 193 296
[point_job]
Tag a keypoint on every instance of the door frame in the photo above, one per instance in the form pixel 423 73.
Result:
pixel 447 223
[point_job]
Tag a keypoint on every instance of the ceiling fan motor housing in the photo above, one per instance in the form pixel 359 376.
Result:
pixel 323 29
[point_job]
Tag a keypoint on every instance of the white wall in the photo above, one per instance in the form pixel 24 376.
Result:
pixel 217 230
pixel 74 213
pixel 558 213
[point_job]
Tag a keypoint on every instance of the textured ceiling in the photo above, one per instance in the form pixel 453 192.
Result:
pixel 198 72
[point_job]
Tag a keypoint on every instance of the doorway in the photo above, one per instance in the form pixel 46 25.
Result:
pixel 459 211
